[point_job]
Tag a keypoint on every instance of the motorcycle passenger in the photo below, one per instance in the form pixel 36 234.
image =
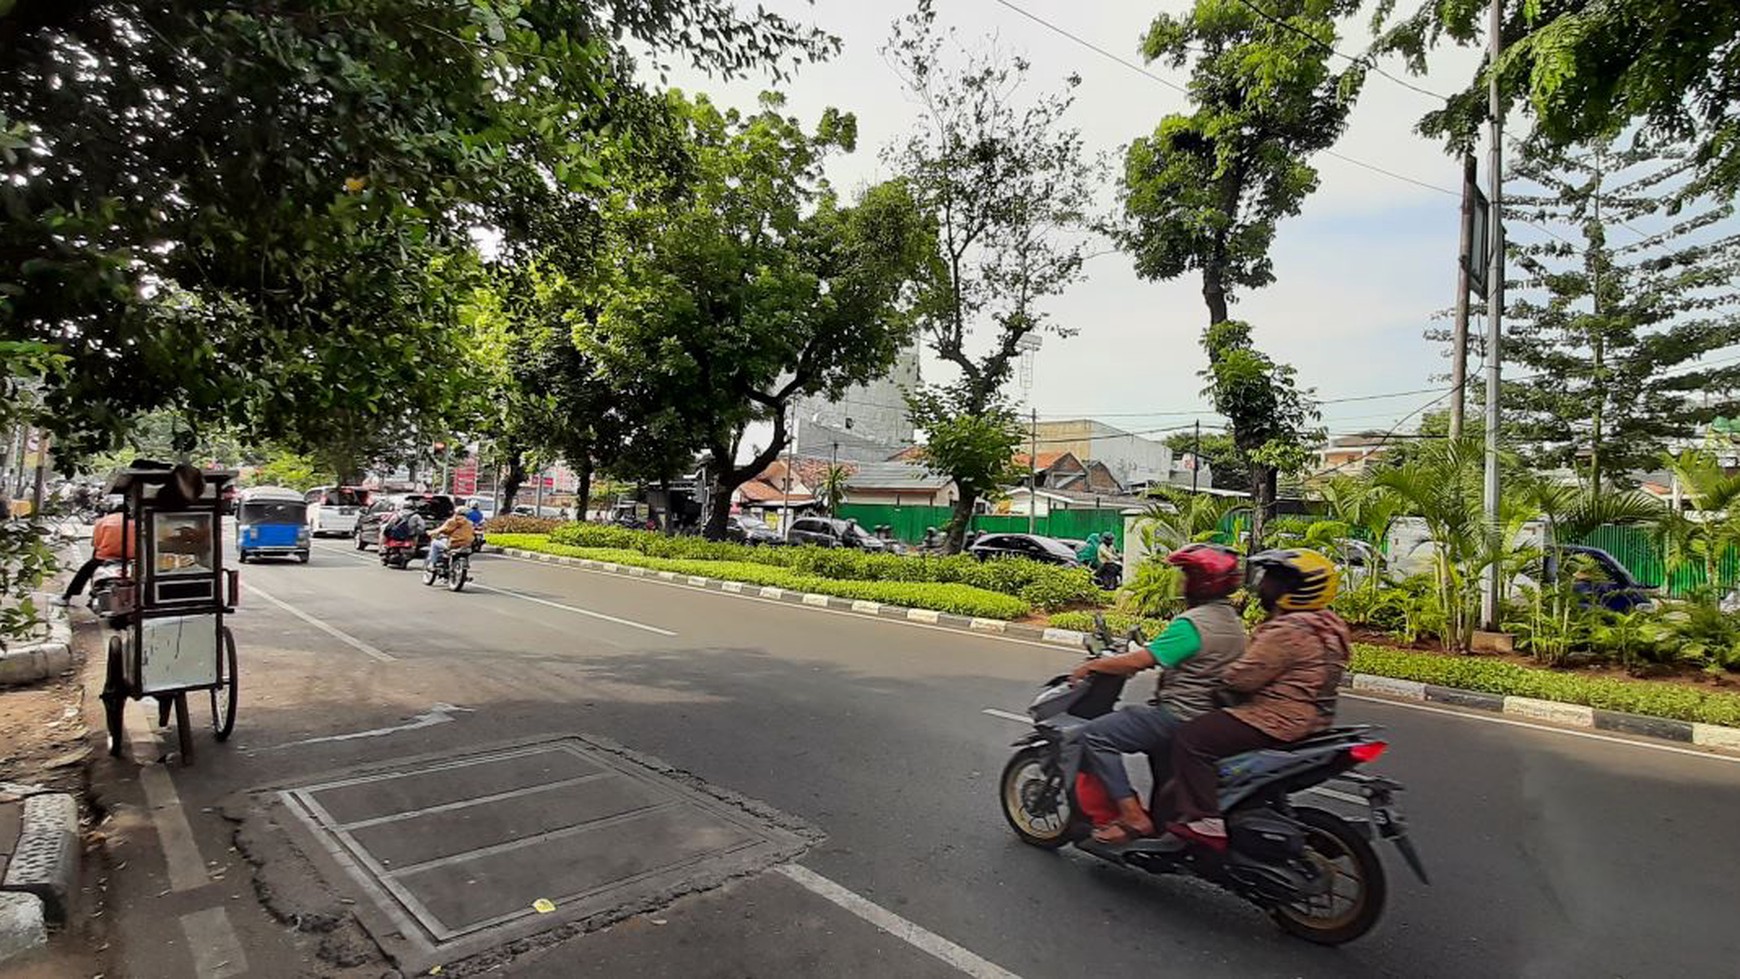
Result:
pixel 109 542
pixel 1191 653
pixel 406 524
pixel 1291 670
pixel 456 532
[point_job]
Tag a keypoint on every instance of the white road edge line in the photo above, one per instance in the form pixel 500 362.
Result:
pixel 1509 722
pixel 217 954
pixel 181 858
pixel 918 937
pixel 577 610
pixel 330 630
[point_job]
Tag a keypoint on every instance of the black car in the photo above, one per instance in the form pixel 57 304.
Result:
pixel 1030 546
pixel 434 508
pixel 833 532
pixel 750 530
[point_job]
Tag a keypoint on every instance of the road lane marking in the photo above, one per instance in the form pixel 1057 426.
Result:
pixel 181 857
pixel 909 932
pixel 330 630
pixel 1510 722
pixel 217 954
pixel 1008 715
pixel 436 714
pixel 577 610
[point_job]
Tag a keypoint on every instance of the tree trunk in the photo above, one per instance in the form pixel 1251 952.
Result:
pixel 959 521
pixel 583 499
pixel 1263 483
pixel 516 477
pixel 1214 294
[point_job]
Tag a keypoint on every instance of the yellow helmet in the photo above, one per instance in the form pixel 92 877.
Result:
pixel 1310 578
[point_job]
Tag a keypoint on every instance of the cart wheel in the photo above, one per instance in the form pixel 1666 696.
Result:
pixel 223 696
pixel 183 732
pixel 114 697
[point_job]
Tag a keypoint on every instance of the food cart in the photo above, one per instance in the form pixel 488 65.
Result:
pixel 165 609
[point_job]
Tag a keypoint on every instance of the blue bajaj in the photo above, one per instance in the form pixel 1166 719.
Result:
pixel 272 522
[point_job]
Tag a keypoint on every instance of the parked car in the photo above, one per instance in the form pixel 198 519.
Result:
pixel 1030 546
pixel 1605 582
pixel 833 532
pixel 745 529
pixel 434 508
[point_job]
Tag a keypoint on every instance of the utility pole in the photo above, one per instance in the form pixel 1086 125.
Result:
pixel 1490 598
pixel 1033 471
pixel 41 472
pixel 1464 263
pixel 1196 455
pixel 790 460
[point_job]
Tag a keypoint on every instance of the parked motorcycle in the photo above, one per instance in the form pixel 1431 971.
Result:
pixel 453 569
pixel 1314 872
pixel 397 553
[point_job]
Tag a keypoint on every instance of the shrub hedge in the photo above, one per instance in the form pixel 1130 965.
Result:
pixel 951 597
pixel 513 523
pixel 1119 622
pixel 1042 586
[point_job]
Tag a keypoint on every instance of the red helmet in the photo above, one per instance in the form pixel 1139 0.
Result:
pixel 1211 571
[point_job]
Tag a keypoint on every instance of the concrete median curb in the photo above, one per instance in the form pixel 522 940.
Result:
pixel 49 656
pixel 44 862
pixel 1553 712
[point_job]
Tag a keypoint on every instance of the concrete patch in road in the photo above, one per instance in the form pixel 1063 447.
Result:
pixel 455 851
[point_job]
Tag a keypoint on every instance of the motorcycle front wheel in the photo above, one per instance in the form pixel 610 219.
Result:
pixel 1036 810
pixel 1357 887
pixel 428 575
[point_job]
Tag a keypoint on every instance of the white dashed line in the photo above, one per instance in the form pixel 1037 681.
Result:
pixel 217 954
pixel 918 937
pixel 330 630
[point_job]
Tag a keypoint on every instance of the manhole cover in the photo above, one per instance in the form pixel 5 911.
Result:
pixel 456 851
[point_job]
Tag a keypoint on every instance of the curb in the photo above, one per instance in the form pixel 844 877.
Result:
pixel 40 660
pixel 21 927
pixel 1553 712
pixel 45 863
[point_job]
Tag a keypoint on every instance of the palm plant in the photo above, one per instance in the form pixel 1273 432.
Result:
pixel 1690 541
pixel 1178 518
pixel 1439 485
pixel 833 487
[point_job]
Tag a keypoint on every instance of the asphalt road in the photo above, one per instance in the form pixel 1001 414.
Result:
pixel 1551 854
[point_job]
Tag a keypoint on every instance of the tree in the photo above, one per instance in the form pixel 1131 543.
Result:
pixel 290 470
pixel 1587 70
pixel 1272 421
pixel 1605 331
pixel 235 210
pixel 1206 190
pixel 1009 189
pixel 976 450
pixel 748 284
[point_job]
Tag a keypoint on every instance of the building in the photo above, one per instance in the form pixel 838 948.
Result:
pixel 1351 455
pixel 768 492
pixel 867 423
pixel 899 484
pixel 1066 471
pixel 1129 457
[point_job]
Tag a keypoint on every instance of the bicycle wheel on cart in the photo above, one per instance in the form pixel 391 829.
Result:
pixel 223 695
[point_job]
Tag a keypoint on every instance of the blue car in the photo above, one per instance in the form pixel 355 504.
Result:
pixel 1612 587
pixel 271 522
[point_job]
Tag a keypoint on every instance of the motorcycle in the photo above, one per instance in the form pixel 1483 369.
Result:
pixel 1109 576
pixel 397 553
pixel 454 569
pixel 477 542
pixel 1313 871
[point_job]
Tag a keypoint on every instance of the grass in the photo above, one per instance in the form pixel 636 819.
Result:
pixel 956 599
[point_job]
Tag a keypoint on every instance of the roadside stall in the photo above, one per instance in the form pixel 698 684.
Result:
pixel 165 608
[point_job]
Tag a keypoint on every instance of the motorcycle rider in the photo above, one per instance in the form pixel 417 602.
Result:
pixel 1191 654
pixel 1107 562
pixel 456 532
pixel 1290 671
pixel 406 524
pixel 475 514
pixel 109 542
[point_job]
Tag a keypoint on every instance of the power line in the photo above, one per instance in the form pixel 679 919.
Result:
pixel 1091 46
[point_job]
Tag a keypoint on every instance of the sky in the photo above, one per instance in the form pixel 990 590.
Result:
pixel 1360 273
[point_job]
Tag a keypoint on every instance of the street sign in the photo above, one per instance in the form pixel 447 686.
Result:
pixel 1480 250
pixel 465 478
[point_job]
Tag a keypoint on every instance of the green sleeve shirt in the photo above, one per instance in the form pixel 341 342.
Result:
pixel 1178 643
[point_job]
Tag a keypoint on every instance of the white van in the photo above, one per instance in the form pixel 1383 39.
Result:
pixel 332 510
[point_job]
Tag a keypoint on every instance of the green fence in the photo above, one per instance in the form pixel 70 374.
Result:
pixel 1633 547
pixel 908 523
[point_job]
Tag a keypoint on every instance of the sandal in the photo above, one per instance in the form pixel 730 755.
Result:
pixel 1117 832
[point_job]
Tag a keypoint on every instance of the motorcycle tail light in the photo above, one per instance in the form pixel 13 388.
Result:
pixel 1368 751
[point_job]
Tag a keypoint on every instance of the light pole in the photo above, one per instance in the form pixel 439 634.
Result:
pixel 1490 598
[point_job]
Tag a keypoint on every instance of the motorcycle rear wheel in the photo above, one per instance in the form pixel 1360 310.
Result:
pixel 1022 786
pixel 1339 917
pixel 458 570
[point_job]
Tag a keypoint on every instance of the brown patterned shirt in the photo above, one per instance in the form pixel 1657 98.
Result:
pixel 1291 669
